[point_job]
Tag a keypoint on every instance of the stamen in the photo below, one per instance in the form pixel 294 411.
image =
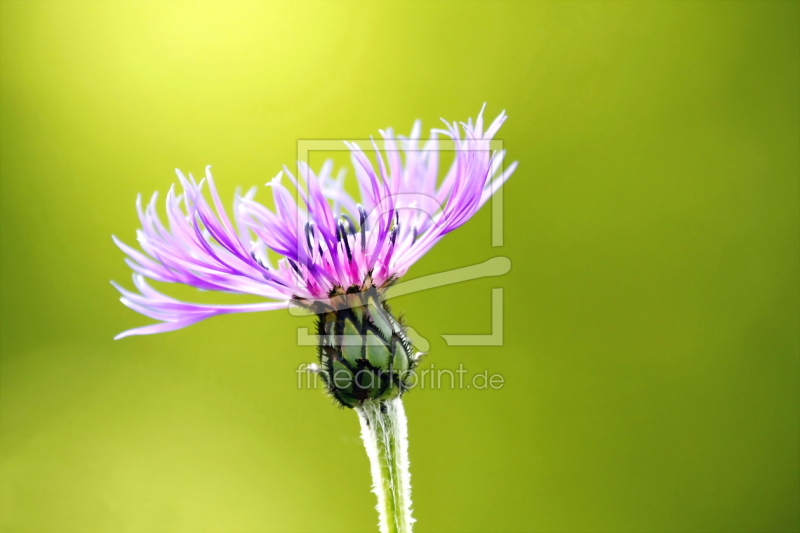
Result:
pixel 309 231
pixel 395 228
pixel 257 260
pixel 343 237
pixel 362 221
pixel 295 267
pixel 351 228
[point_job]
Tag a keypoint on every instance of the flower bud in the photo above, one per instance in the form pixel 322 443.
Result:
pixel 364 353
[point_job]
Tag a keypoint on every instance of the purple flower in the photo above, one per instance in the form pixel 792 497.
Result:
pixel 328 242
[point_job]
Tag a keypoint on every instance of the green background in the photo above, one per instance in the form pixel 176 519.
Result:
pixel 652 338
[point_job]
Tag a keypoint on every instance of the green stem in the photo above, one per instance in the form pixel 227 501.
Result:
pixel 384 430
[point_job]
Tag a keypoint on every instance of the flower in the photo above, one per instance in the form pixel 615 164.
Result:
pixel 329 243
pixel 338 256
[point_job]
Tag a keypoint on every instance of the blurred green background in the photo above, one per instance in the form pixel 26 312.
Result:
pixel 652 338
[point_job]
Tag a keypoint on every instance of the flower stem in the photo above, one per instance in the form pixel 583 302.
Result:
pixel 384 430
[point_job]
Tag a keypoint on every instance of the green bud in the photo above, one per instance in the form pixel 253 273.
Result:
pixel 364 353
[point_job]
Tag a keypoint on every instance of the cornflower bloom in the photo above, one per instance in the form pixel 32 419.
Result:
pixel 338 257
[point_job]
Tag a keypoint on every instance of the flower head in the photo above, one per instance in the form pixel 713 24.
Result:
pixel 328 242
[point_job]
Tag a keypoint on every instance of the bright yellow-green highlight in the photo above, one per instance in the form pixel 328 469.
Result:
pixel 651 339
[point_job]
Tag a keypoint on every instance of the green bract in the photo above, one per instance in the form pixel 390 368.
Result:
pixel 364 352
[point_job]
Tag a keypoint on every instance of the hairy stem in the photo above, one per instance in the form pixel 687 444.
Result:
pixel 384 430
